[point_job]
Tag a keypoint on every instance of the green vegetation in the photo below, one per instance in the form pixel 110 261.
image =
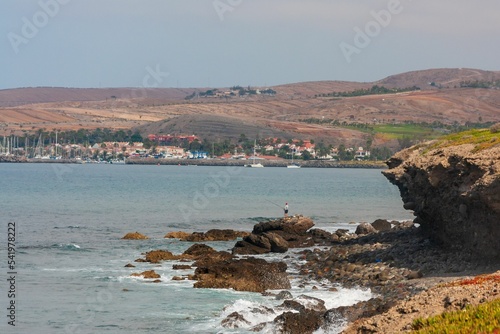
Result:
pixel 375 90
pixel 480 84
pixel 481 138
pixel 484 318
pixel 81 136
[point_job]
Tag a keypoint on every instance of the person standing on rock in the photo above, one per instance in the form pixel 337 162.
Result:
pixel 285 209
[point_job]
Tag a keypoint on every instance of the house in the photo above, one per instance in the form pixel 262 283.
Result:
pixel 361 153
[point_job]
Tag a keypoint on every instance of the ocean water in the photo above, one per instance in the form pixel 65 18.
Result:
pixel 69 219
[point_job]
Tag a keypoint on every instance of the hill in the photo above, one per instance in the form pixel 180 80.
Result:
pixel 434 78
pixel 298 110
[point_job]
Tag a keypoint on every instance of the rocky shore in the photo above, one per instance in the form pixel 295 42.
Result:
pixel 454 192
pixel 398 262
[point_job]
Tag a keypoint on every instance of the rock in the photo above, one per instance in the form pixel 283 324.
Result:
pixel 249 274
pixel 245 248
pixel 211 258
pixel 382 225
pixel 147 274
pixel 294 225
pixel 177 235
pixel 160 255
pixel 278 244
pixel 414 274
pixel 284 295
pixel 259 241
pixel 304 322
pixel 210 235
pixel 365 228
pixel 224 235
pixel 129 265
pixel 181 266
pixel 321 236
pixel 276 236
pixel 235 320
pixel 134 236
pixel 455 191
pixel 177 278
pixel 197 250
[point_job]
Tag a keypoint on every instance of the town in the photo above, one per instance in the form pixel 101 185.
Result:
pixel 177 147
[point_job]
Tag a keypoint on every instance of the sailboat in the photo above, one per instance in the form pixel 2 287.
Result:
pixel 293 165
pixel 253 164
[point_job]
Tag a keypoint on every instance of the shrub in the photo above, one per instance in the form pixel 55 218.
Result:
pixel 495 128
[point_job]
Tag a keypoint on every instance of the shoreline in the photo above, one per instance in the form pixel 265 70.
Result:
pixel 265 163
pixel 212 162
pixel 409 276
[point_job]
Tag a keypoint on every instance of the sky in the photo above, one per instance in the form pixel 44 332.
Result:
pixel 221 43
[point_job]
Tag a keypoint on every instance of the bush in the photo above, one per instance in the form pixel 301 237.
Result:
pixel 495 128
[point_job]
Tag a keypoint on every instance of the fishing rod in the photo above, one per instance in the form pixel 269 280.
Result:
pixel 275 204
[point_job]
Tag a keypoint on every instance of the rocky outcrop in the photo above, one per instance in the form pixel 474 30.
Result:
pixel 276 236
pixel 156 256
pixel 134 236
pixel 250 274
pixel 149 274
pixel 210 235
pixel 454 193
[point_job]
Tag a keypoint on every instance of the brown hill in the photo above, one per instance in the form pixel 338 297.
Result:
pixel 22 96
pixel 443 77
pixel 281 115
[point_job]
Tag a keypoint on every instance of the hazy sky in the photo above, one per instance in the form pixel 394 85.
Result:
pixel 217 43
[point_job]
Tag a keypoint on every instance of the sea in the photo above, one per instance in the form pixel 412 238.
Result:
pixel 69 274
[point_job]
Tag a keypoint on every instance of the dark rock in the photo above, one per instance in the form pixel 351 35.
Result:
pixel 365 228
pixel 128 265
pixel 248 274
pixel 199 250
pixel 245 248
pixel 284 295
pixel 234 320
pixel 382 225
pixel 278 244
pixel 181 266
pixel 210 235
pixel 211 258
pixel 414 274
pixel 259 241
pixel 456 195
pixel 304 322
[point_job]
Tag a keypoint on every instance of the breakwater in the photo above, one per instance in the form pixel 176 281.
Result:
pixel 265 163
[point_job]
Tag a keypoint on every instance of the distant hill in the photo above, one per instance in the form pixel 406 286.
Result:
pixel 434 78
pixel 423 79
pixel 21 96
pixel 298 110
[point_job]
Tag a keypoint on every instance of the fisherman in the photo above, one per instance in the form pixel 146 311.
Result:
pixel 285 209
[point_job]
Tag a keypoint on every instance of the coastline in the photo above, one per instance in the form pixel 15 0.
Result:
pixel 265 163
pixel 409 276
pixel 212 162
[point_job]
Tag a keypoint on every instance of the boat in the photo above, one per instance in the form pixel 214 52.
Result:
pixel 293 165
pixel 253 164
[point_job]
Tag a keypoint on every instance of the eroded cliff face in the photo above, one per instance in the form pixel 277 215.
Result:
pixel 454 193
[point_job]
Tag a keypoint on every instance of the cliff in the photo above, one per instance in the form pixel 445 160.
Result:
pixel 453 187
